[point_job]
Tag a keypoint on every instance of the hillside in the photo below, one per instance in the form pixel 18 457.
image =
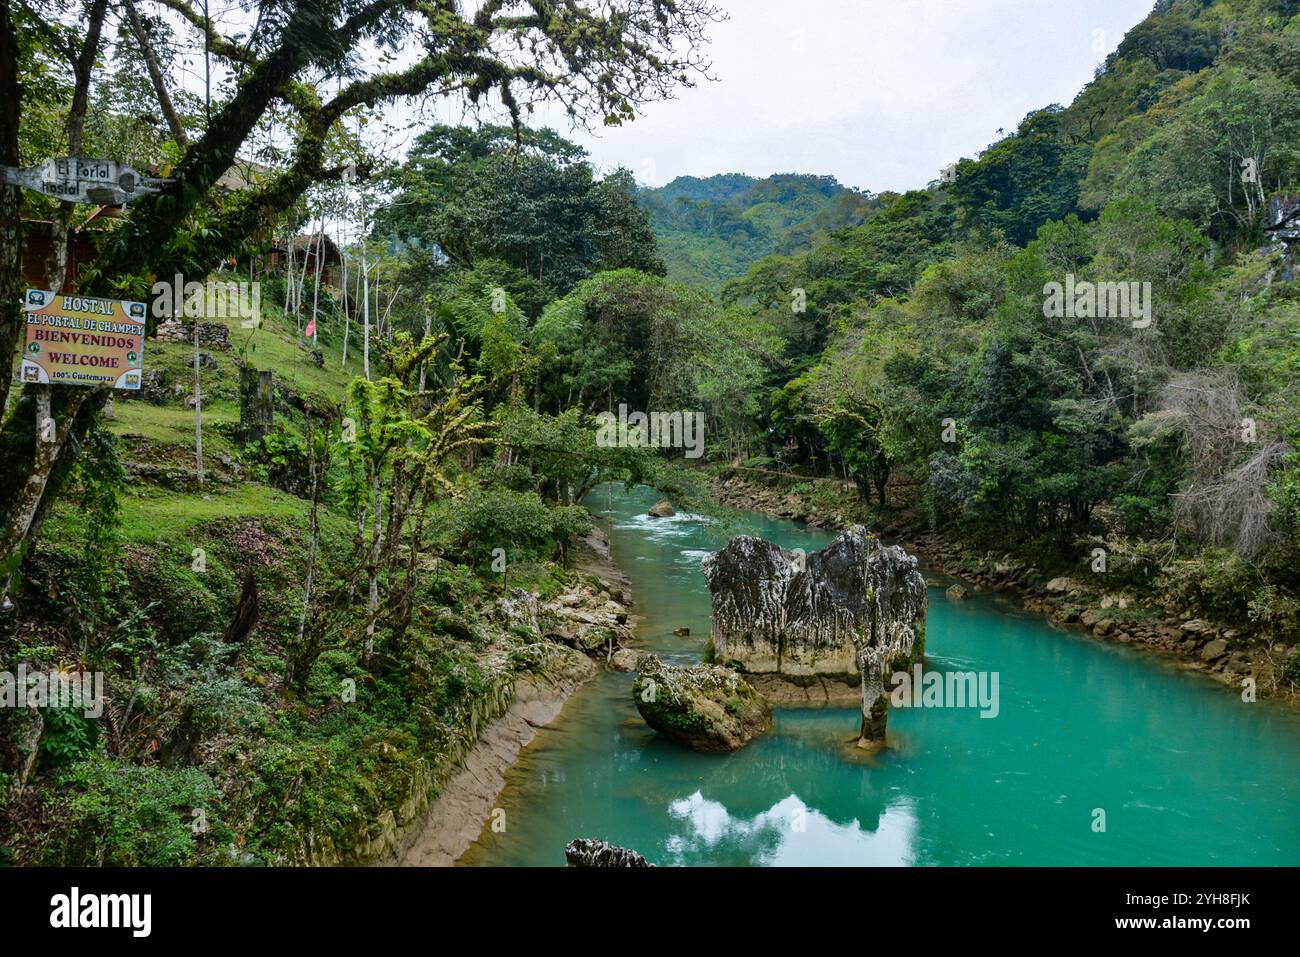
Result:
pixel 243 735
pixel 710 230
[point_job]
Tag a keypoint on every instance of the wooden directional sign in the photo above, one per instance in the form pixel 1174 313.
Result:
pixel 76 179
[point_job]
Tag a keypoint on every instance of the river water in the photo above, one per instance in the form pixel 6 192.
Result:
pixel 1183 771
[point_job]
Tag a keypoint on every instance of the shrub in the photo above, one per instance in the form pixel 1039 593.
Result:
pixel 114 814
pixel 280 460
pixel 1292 670
pixel 519 522
pixel 68 736
pixel 1216 584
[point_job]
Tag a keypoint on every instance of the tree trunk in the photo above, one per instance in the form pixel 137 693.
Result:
pixel 880 477
pixel 247 613
pixel 31 748
pixel 302 283
pixel 76 123
pixel 11 234
pixel 50 431
pixel 383 320
pixel 424 364
pixel 365 309
pixel 313 527
pixel 156 76
pixel 315 293
pixel 372 563
pixel 288 279
pixel 256 408
pixel 347 316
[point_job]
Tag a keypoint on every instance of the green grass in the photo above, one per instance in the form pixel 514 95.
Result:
pixel 150 514
pixel 277 345
pixel 274 345
pixel 174 424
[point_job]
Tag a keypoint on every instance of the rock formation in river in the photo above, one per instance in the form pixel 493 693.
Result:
pixel 856 608
pixel 704 707
pixel 587 852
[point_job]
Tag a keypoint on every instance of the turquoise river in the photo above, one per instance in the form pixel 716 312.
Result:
pixel 1185 772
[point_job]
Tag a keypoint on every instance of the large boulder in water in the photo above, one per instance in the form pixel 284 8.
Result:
pixel 662 509
pixel 856 608
pixel 588 852
pixel 703 707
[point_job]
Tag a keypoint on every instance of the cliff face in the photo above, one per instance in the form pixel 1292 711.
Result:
pixel 856 608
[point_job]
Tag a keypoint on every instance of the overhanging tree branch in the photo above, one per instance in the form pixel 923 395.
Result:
pixel 155 74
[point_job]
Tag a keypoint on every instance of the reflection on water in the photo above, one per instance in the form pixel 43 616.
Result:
pixel 789 832
pixel 1186 772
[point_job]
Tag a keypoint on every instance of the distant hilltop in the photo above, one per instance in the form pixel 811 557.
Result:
pixel 711 229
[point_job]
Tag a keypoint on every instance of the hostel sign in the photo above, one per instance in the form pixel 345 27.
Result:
pixel 77 179
pixel 79 340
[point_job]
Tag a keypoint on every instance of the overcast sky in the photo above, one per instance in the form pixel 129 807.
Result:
pixel 881 94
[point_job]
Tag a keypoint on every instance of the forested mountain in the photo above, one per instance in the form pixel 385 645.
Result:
pixel 712 229
pixel 929 346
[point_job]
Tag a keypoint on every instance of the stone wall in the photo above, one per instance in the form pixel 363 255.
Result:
pixel 213 335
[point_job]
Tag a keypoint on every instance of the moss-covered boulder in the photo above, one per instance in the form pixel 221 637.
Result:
pixel 704 707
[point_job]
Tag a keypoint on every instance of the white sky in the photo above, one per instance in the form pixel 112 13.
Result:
pixel 881 94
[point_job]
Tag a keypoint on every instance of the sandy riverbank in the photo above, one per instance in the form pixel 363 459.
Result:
pixel 465 803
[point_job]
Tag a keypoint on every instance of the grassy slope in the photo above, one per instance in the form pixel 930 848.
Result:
pixel 281 775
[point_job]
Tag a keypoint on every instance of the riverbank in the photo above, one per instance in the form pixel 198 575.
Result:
pixel 455 818
pixel 466 800
pixel 1252 663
